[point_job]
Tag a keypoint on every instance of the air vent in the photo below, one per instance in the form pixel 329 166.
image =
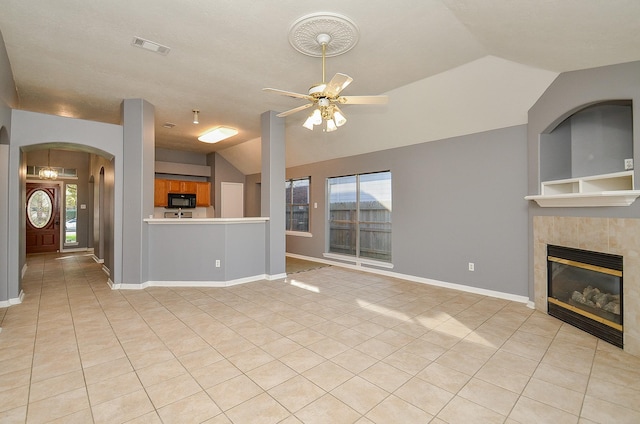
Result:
pixel 151 46
pixel 168 125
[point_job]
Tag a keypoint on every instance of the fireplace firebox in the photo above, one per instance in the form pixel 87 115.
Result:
pixel 585 290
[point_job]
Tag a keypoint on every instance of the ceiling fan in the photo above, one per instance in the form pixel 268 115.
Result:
pixel 326 97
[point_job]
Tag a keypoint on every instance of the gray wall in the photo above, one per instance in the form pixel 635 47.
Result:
pixel 223 172
pixel 102 226
pixel 8 100
pixel 179 156
pixel 252 194
pixel 138 176
pixel 601 140
pixel 455 201
pixel 555 147
pixel 570 92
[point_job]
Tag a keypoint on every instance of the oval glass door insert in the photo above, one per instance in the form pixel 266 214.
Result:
pixel 39 208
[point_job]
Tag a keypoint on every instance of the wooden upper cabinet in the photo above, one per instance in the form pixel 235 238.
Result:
pixel 203 194
pixel 188 187
pixel 160 193
pixel 174 186
pixel 162 187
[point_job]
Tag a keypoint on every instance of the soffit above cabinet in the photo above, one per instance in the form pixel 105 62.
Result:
pixel 182 169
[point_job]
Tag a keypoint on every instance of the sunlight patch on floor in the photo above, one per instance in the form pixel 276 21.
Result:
pixel 305 286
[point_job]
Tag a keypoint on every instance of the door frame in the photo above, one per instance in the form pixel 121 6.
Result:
pixel 229 196
pixel 60 185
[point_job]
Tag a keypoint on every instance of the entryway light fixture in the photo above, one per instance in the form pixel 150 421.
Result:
pixel 218 134
pixel 48 173
pixel 195 116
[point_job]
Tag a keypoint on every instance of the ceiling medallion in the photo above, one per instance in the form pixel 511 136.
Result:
pixel 304 33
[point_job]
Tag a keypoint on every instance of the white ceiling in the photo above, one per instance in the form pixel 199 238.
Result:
pixel 75 58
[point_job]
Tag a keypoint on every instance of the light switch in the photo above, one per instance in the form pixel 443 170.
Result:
pixel 83 206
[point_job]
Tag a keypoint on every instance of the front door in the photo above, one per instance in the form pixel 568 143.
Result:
pixel 43 218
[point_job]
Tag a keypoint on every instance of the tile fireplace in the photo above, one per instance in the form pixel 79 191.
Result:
pixel 585 290
pixel 611 236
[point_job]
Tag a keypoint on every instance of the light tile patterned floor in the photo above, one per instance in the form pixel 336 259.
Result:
pixel 326 346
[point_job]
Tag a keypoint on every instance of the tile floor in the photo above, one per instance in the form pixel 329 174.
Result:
pixel 325 346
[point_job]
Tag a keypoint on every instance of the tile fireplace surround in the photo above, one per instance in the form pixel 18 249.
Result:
pixel 608 235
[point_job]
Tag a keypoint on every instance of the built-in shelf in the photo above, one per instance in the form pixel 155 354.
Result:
pixel 614 189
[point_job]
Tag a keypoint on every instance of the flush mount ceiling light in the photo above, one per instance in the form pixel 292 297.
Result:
pixel 152 46
pixel 196 112
pixel 48 173
pixel 324 35
pixel 217 134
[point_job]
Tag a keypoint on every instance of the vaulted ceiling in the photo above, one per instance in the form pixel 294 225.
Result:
pixel 75 58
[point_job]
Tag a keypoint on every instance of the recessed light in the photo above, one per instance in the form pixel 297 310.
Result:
pixel 218 134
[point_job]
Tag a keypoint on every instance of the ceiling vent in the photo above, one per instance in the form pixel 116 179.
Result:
pixel 168 125
pixel 151 46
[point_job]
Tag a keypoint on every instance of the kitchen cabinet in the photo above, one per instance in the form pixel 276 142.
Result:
pixel 203 194
pixel 162 187
pixel 160 193
pixel 174 186
pixel 187 187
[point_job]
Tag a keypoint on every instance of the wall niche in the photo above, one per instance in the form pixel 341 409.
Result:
pixel 587 159
pixel 593 141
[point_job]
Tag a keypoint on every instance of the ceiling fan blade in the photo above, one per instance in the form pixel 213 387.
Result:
pixel 363 100
pixel 288 93
pixel 294 110
pixel 337 84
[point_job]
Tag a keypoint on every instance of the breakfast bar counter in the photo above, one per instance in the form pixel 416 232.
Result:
pixel 206 252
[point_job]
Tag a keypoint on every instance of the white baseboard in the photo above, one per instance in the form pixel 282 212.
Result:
pixel 460 287
pixel 97 259
pixel 276 276
pixel 15 301
pixel 75 249
pixel 217 284
pixel 24 271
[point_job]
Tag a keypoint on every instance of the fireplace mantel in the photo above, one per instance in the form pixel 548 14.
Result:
pixel 615 189
pixel 577 200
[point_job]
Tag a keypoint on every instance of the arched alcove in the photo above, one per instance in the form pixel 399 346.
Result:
pixel 593 140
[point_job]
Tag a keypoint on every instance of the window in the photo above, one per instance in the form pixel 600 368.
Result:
pixel 70 213
pixel 39 209
pixel 360 215
pixel 297 207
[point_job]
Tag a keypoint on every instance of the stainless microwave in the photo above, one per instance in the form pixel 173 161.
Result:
pixel 181 200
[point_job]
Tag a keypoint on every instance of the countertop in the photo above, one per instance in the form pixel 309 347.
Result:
pixel 206 220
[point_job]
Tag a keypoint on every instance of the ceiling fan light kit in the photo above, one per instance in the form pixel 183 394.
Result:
pixel 321 35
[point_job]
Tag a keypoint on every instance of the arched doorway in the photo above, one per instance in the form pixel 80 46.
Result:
pixel 73 206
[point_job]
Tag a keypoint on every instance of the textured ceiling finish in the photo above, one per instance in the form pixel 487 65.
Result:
pixel 75 58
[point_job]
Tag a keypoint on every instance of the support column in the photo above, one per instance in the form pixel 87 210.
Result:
pixel 272 193
pixel 138 179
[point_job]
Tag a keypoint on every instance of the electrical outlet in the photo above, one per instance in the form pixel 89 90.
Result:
pixel 217 263
pixel 472 266
pixel 628 164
